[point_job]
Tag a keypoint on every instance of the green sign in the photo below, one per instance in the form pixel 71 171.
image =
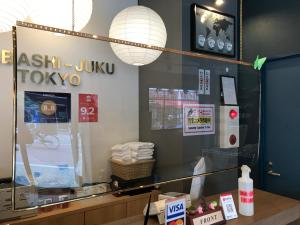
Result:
pixel 259 62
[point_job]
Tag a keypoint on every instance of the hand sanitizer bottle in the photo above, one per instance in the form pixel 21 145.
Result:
pixel 246 195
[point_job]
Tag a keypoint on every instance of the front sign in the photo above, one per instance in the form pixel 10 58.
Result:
pixel 88 108
pixel 209 219
pixel 175 212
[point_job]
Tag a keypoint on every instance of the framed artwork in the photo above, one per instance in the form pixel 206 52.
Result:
pixel 212 31
pixel 47 107
pixel 228 90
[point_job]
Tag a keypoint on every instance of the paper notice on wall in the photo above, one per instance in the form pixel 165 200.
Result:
pixel 88 108
pixel 201 82
pixel 165 106
pixel 198 119
pixel 229 90
pixel 207 82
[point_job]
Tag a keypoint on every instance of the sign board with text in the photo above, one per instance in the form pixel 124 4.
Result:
pixel 88 108
pixel 175 212
pixel 211 217
pixel 198 119
pixel 227 203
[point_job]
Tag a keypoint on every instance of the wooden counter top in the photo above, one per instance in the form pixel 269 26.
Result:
pixel 270 209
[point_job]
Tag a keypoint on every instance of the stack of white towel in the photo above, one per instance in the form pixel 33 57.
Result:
pixel 132 152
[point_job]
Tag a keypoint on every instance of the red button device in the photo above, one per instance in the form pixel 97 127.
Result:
pixel 233 114
pixel 232 139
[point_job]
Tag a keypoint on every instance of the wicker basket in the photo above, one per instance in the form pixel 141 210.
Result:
pixel 132 171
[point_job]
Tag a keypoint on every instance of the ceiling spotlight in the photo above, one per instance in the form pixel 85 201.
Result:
pixel 219 2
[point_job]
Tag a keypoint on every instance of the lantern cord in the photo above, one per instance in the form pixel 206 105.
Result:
pixel 73 15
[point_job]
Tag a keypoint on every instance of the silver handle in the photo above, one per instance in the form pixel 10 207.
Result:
pixel 271 173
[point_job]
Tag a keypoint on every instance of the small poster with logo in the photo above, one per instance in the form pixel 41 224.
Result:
pixel 88 108
pixel 175 211
pixel 47 107
pixel 198 119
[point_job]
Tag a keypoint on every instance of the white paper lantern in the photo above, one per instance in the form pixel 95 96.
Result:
pixel 10 12
pixel 59 13
pixel 141 25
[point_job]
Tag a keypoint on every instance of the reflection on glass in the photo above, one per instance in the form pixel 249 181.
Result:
pixel 48 149
pixel 166 106
pixel 44 158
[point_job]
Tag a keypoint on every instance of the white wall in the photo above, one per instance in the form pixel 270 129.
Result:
pixel 118 94
pixel 6 105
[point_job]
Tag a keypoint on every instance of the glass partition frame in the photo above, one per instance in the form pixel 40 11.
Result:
pixel 105 39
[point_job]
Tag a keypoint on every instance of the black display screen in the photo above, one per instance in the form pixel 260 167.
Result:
pixel 47 107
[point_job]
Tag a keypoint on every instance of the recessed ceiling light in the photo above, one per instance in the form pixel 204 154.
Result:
pixel 219 2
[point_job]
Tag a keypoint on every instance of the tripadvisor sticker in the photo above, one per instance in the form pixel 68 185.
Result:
pixel 175 212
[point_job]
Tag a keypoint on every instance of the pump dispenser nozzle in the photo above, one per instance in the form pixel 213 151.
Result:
pixel 245 172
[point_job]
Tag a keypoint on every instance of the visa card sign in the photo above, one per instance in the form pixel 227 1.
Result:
pixel 175 212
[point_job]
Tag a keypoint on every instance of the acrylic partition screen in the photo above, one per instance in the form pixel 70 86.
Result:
pixel 86 119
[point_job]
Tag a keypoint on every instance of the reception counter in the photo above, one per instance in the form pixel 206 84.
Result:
pixel 270 209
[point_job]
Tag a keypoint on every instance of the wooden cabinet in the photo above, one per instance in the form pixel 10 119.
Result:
pixel 94 211
pixel 136 207
pixel 136 204
pixel 76 219
pixel 105 214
